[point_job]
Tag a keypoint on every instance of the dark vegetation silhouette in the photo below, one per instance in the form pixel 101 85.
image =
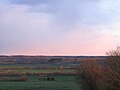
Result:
pixel 113 67
pixel 92 75
pixel 89 75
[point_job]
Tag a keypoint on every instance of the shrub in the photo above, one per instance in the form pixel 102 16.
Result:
pixel 89 75
pixel 96 76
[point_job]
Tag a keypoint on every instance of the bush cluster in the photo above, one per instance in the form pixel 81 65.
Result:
pixel 92 75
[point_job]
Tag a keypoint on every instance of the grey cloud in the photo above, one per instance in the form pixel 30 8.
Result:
pixel 69 12
pixel 33 2
pixel 66 12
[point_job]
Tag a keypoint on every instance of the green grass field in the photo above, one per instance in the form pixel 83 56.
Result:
pixel 33 83
pixel 60 83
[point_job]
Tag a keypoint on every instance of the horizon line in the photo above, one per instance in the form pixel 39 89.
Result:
pixel 49 55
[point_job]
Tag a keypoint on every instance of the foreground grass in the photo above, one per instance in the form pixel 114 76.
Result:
pixel 60 83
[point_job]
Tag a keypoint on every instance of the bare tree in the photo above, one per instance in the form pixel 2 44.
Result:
pixel 96 76
pixel 113 70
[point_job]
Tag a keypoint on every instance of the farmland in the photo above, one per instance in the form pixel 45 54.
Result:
pixel 60 83
pixel 35 72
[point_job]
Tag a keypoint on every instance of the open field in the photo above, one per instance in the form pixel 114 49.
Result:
pixel 24 71
pixel 31 73
pixel 60 83
pixel 33 83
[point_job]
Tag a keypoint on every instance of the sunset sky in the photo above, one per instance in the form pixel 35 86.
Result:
pixel 59 27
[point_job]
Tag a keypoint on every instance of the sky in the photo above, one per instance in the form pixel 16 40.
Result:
pixel 59 27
